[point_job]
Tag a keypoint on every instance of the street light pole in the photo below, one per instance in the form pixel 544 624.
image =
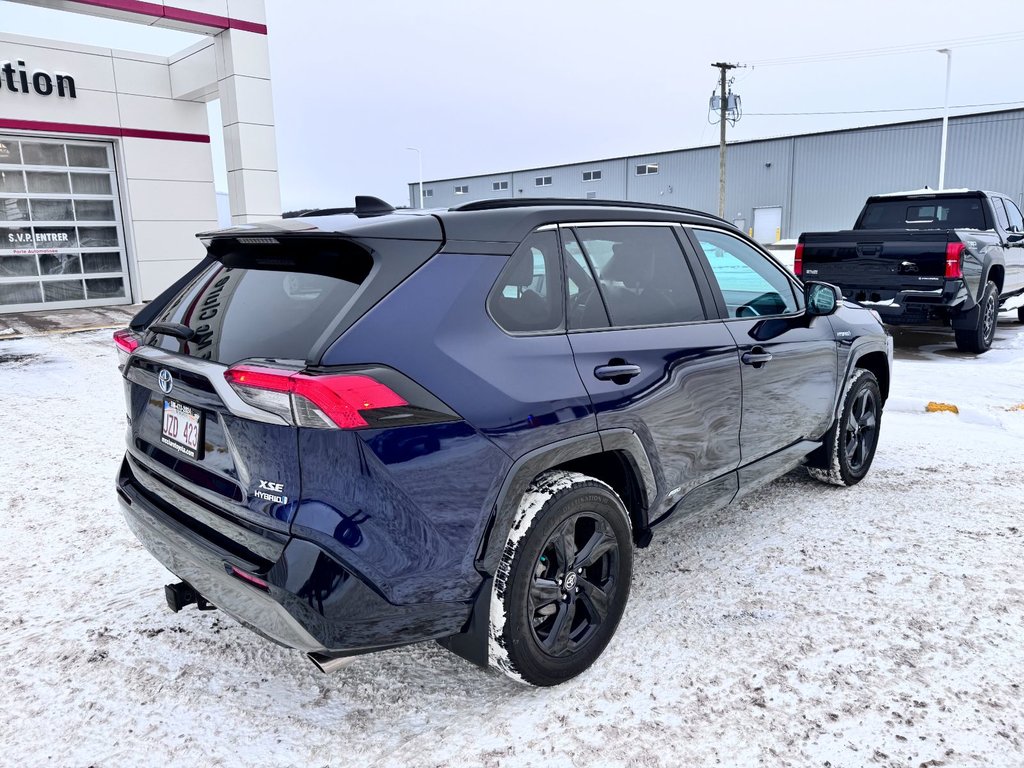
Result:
pixel 945 119
pixel 419 157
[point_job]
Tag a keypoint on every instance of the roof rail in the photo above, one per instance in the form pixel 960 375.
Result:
pixel 525 202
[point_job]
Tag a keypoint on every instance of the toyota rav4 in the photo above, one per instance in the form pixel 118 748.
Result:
pixel 365 428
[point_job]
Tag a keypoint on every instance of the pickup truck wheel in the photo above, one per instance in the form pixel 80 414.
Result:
pixel 853 438
pixel 978 340
pixel 563 580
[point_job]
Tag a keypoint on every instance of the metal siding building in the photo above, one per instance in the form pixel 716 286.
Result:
pixel 790 184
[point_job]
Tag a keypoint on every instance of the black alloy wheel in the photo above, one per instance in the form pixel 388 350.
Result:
pixel 563 580
pixel 980 338
pixel 861 432
pixel 573 582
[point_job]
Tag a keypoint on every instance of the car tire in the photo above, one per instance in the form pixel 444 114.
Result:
pixel 1020 314
pixel 850 443
pixel 563 580
pixel 979 339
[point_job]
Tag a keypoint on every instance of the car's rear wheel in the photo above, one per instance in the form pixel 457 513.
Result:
pixel 851 443
pixel 979 339
pixel 563 580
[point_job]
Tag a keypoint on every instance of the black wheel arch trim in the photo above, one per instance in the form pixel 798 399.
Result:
pixel 528 466
pixel 861 348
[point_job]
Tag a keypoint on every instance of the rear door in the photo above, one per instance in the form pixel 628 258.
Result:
pixel 789 360
pixel 650 358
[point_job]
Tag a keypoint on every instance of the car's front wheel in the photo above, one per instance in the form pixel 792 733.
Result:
pixel 850 445
pixel 563 580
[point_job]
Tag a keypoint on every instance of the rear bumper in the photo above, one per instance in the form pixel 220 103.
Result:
pixel 312 601
pixel 915 307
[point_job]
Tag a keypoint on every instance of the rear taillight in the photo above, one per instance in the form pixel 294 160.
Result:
pixel 798 260
pixel 256 581
pixel 955 260
pixel 127 342
pixel 350 400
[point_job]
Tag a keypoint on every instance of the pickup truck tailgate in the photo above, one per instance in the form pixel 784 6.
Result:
pixel 877 259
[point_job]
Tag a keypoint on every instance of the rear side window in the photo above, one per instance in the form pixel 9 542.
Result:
pixel 527 297
pixel 265 304
pixel 944 213
pixel 997 206
pixel 1013 212
pixel 642 275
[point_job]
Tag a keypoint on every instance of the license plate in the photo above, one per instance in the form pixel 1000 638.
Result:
pixel 182 429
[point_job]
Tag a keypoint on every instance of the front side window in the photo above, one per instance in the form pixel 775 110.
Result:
pixel 642 276
pixel 751 284
pixel 527 297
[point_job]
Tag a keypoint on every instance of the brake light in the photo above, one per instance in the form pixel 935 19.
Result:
pixel 798 260
pixel 955 260
pixel 321 402
pixel 127 342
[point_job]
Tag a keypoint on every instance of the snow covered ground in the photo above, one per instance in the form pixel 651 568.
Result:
pixel 878 625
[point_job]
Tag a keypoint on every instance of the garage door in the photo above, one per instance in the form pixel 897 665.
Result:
pixel 61 239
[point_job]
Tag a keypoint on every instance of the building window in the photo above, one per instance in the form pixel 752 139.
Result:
pixel 462 189
pixel 591 195
pixel 499 186
pixel 428 193
pixel 542 181
pixel 591 175
pixel 646 169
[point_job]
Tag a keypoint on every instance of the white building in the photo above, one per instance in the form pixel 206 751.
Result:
pixel 106 172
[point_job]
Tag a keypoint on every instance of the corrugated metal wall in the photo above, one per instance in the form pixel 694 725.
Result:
pixel 819 180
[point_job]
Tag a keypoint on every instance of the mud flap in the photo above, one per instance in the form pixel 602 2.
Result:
pixel 471 642
pixel 966 321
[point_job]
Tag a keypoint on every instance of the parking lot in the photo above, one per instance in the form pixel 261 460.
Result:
pixel 809 625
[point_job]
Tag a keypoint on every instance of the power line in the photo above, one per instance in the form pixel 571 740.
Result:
pixel 878 111
pixel 963 42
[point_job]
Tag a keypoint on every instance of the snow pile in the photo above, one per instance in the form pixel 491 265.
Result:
pixel 879 624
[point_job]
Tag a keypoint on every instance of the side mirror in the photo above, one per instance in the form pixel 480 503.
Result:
pixel 821 298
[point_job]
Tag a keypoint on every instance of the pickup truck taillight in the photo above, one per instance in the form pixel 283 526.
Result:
pixel 798 260
pixel 955 260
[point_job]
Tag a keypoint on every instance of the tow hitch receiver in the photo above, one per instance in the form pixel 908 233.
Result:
pixel 181 594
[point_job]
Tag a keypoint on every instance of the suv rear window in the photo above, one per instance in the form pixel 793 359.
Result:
pixel 265 303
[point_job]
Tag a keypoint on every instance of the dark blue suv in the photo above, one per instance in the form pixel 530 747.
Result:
pixel 360 429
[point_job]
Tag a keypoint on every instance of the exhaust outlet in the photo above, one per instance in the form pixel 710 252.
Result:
pixel 328 664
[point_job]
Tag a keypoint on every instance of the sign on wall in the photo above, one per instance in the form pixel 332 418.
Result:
pixel 16 78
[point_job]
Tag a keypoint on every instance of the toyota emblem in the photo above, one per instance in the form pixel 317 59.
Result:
pixel 165 381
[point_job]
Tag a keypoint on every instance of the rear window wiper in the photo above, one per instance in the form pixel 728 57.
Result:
pixel 177 330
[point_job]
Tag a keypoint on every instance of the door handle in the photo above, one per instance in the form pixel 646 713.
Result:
pixel 756 357
pixel 620 374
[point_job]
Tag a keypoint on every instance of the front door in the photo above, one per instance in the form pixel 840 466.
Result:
pixel 789 360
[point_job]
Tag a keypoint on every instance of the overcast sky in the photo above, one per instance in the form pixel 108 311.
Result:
pixel 485 86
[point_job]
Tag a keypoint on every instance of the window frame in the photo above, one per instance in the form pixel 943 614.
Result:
pixel 595 175
pixel 542 181
pixel 499 186
pixel 462 189
pixel 647 169
pixel 696 253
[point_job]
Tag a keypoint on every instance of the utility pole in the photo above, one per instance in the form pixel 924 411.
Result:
pixel 723 108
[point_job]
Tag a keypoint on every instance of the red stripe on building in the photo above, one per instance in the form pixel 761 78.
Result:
pixel 157 11
pixel 101 130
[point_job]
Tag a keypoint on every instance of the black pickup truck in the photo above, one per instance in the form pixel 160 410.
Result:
pixel 950 258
